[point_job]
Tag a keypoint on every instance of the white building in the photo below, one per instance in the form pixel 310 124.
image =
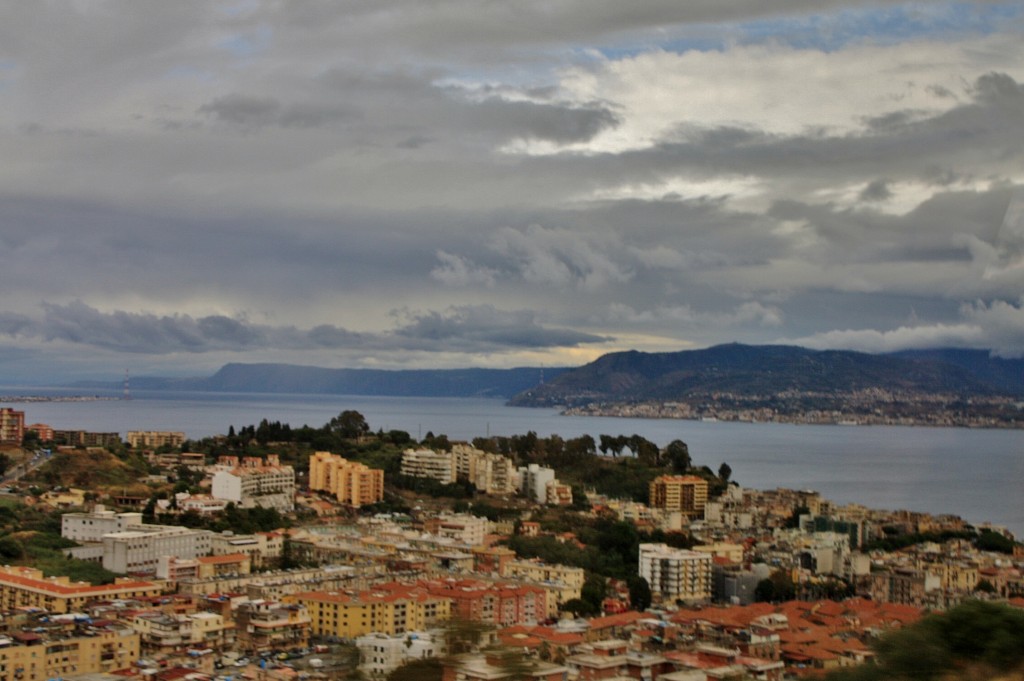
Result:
pixel 263 548
pixel 489 473
pixel 426 463
pixel 676 574
pixel 253 482
pixel 381 654
pixel 139 548
pixel 86 528
pixel 460 527
pixel 533 482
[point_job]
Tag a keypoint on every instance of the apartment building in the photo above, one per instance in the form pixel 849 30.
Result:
pixel 561 582
pixel 687 494
pixel 904 585
pixel 262 548
pixel 262 626
pixel 43 430
pixel 558 494
pixel 253 482
pixel 426 463
pixel 163 632
pixel 350 482
pixel 352 614
pixel 461 527
pixel 139 548
pixel 43 654
pixel 85 438
pixel 533 482
pixel 489 473
pixel 25 587
pixel 498 603
pixel 88 528
pixel 176 569
pixel 274 586
pixel 139 439
pixel 12 425
pixel 381 654
pixel 676 574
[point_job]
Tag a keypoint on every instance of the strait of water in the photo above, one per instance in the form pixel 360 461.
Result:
pixel 975 473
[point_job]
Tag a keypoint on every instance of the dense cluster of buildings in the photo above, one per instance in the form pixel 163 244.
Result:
pixel 392 585
pixel 489 473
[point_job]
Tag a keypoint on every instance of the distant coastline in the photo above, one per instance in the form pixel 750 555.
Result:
pixel 937 417
pixel 16 399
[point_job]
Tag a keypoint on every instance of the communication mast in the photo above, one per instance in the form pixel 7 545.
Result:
pixel 127 391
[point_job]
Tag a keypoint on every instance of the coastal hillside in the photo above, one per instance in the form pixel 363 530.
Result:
pixel 290 378
pixel 734 372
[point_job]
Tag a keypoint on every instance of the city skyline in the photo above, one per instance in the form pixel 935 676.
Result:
pixel 455 184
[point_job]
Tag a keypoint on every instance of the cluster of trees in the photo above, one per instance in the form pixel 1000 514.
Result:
pixel 627 466
pixel 31 536
pixel 976 640
pixel 611 547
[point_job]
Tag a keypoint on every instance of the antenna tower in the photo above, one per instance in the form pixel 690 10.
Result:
pixel 127 391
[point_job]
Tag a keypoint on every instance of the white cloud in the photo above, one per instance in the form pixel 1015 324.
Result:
pixel 996 326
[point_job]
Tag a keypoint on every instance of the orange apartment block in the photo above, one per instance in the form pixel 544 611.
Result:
pixel 12 425
pixel 494 603
pixel 24 587
pixel 685 493
pixel 350 482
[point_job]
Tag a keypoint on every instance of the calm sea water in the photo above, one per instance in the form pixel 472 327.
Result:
pixel 977 474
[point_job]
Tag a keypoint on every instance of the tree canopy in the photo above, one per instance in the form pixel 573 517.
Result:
pixel 977 639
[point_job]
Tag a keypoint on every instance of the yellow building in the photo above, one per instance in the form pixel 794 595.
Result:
pixel 25 587
pixel 730 552
pixel 684 493
pixel 956 577
pixel 350 482
pixel 561 582
pixel 37 657
pixel 155 438
pixel 348 615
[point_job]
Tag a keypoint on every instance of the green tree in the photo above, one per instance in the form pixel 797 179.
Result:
pixel 639 593
pixel 579 607
pixel 985 586
pixel 11 549
pixel 678 454
pixel 594 591
pixel 777 588
pixel 349 424
pixel 993 541
pixel 427 669
pixel 975 640
pixel 725 472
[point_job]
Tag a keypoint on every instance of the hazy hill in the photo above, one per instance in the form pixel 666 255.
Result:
pixel 745 370
pixel 289 378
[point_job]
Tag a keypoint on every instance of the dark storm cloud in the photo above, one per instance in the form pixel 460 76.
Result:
pixel 474 329
pixel 546 121
pixel 878 190
pixel 488 326
pixel 271 179
pixel 250 111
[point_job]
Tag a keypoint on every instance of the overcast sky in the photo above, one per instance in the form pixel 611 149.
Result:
pixel 455 183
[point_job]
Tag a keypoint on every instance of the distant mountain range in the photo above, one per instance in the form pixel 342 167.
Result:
pixel 290 378
pixel 740 370
pixel 744 370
